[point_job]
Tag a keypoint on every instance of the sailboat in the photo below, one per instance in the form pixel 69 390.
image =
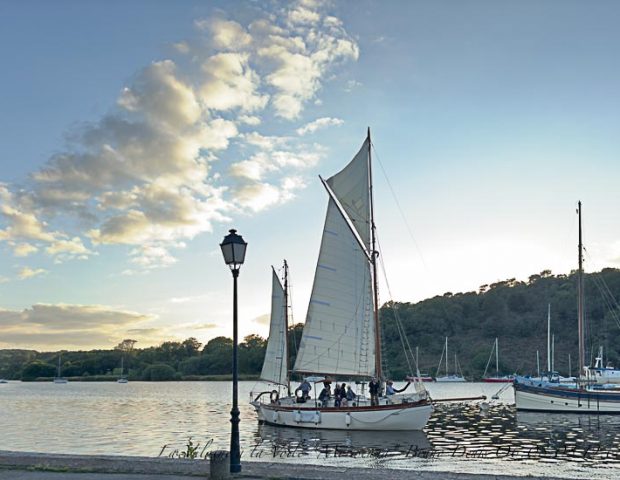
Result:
pixel 448 377
pixel 497 378
pixel 58 378
pixel 341 335
pixel 275 369
pixel 580 397
pixel 122 378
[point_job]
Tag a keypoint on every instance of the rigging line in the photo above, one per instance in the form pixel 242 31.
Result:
pixel 608 297
pixel 396 315
pixel 399 326
pixel 400 210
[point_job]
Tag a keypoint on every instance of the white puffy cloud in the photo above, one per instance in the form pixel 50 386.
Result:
pixel 27 272
pixel 24 249
pixel 229 83
pixel 226 34
pixel 319 124
pixel 175 155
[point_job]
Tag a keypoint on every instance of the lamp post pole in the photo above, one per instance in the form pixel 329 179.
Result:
pixel 235 450
pixel 233 249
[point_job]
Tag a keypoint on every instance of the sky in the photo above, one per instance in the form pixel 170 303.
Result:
pixel 134 135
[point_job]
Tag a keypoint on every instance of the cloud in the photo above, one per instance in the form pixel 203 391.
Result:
pixel 262 319
pixel 27 272
pixel 24 249
pixel 319 124
pixel 45 326
pixel 174 155
pixel 231 83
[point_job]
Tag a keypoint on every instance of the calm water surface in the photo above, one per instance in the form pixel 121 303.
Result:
pixel 140 418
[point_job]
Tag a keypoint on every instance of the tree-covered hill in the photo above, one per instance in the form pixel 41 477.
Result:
pixel 515 312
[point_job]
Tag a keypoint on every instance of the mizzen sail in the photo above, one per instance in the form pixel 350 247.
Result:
pixel 274 365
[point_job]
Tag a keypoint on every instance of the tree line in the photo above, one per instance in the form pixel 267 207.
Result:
pixel 513 311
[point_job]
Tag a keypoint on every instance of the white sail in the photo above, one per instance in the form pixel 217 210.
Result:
pixel 339 334
pixel 352 189
pixel 274 365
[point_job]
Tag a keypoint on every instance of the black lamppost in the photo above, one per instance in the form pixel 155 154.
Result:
pixel 233 248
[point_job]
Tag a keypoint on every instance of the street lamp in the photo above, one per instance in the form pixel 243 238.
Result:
pixel 233 248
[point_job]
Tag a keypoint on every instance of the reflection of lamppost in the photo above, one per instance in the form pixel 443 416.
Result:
pixel 233 248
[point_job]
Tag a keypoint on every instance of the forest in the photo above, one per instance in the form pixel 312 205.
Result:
pixel 513 311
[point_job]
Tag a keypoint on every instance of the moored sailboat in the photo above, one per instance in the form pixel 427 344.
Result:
pixel 341 335
pixel 448 377
pixel 58 378
pixel 580 397
pixel 497 378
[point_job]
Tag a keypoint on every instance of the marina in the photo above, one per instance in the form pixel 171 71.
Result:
pixel 157 418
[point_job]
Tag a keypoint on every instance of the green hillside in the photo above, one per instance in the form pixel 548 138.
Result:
pixel 515 312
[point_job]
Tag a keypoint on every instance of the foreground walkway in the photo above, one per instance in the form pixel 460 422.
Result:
pixel 39 466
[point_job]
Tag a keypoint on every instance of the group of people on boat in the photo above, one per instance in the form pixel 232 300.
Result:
pixel 343 394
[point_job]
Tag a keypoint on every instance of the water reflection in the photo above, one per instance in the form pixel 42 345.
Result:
pixel 338 442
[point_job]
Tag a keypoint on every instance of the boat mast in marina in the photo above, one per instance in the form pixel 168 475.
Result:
pixel 580 397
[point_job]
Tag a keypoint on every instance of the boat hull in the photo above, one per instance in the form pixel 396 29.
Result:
pixel 498 380
pixel 396 417
pixel 450 378
pixel 558 399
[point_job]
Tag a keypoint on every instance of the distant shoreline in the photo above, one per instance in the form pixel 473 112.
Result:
pixel 187 378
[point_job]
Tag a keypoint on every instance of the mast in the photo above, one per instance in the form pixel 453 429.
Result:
pixel 538 363
pixel 374 254
pixel 580 298
pixel 548 337
pixel 496 357
pixel 447 370
pixel 553 352
pixel 288 361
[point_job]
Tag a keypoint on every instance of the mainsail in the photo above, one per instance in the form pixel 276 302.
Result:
pixel 274 365
pixel 339 334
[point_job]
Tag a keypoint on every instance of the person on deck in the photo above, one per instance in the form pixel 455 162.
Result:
pixel 389 388
pixel 324 395
pixel 350 394
pixel 373 387
pixel 304 388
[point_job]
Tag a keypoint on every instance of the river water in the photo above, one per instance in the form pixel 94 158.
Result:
pixel 160 418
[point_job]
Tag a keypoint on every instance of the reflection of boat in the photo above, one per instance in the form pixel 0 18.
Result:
pixel 341 334
pixel 542 395
pixel 497 378
pixel 448 377
pixel 59 378
pixel 356 439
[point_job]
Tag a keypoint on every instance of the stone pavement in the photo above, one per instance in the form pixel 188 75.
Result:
pixel 38 466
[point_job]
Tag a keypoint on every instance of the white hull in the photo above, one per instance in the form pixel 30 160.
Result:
pixel 61 380
pixel 450 378
pixel 122 380
pixel 385 417
pixel 564 400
